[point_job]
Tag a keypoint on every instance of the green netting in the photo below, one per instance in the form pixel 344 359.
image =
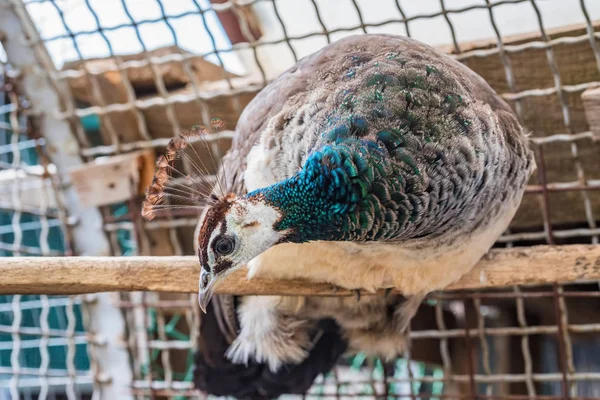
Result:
pixel 30 226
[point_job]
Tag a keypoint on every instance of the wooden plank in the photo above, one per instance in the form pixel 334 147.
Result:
pixel 109 180
pixel 141 75
pixel 189 113
pixel 72 275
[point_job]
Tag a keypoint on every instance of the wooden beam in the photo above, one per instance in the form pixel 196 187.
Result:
pixel 73 275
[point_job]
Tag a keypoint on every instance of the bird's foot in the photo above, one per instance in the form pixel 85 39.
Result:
pixel 356 294
pixel 387 292
pixel 405 313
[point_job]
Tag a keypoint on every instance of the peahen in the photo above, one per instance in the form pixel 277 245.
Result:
pixel 373 163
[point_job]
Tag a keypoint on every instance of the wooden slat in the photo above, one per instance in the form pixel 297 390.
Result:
pixel 72 275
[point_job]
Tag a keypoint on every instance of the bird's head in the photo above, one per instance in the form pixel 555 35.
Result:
pixel 314 204
pixel 232 231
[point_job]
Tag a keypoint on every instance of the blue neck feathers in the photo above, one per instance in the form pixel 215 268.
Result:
pixel 324 200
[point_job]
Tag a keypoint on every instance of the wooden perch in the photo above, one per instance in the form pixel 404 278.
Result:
pixel 74 275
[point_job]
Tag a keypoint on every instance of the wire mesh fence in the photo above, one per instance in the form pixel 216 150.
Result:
pixel 136 73
pixel 42 338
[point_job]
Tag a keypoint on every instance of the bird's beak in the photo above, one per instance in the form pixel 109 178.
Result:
pixel 205 292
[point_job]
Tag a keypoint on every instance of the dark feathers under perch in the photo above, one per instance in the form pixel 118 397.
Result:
pixel 216 375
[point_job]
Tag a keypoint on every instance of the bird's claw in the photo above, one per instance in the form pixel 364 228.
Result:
pixel 387 292
pixel 356 294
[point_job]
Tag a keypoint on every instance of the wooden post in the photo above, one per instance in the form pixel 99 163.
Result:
pixel 26 52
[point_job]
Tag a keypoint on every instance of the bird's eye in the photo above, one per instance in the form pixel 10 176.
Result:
pixel 224 246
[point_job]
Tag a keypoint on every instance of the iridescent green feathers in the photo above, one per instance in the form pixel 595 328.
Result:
pixel 395 141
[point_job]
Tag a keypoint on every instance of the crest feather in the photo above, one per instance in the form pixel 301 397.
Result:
pixel 181 190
